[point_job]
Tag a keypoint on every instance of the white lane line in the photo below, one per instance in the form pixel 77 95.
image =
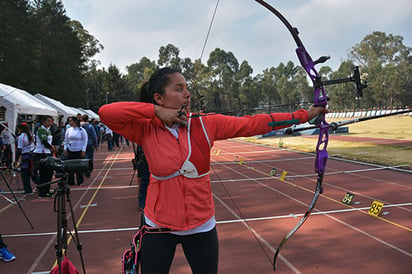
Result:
pixel 257 235
pixel 328 215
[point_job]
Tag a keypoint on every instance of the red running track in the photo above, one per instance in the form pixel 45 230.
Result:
pixel 254 211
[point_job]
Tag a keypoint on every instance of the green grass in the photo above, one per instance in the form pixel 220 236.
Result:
pixel 396 128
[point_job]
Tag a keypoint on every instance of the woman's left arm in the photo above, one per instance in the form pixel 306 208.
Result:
pixel 84 138
pixel 224 127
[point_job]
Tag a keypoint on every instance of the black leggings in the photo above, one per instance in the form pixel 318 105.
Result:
pixel 201 251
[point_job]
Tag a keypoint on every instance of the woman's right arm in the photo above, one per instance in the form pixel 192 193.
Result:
pixel 127 118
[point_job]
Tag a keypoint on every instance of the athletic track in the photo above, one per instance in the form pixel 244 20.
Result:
pixel 254 210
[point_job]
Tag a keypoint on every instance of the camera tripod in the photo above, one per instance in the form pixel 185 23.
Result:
pixel 62 196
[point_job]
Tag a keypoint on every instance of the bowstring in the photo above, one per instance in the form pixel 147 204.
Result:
pixel 195 90
pixel 243 219
pixel 208 31
pixel 201 112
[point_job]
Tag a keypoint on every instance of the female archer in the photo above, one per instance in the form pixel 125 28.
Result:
pixel 177 144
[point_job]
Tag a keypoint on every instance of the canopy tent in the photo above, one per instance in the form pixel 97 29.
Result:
pixel 91 114
pixel 20 106
pixel 61 108
pixel 80 110
pixel 17 106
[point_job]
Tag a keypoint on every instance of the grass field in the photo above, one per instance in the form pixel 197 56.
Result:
pixel 394 128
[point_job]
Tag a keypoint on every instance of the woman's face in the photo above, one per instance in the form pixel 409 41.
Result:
pixel 176 93
pixel 72 123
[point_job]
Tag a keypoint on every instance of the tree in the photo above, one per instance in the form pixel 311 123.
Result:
pixel 224 67
pixel 115 86
pixel 292 85
pixel 17 44
pixel 244 77
pixel 95 81
pixel 169 57
pixel 89 44
pixel 138 73
pixel 59 53
pixel 381 48
pixel 268 87
pixel 386 60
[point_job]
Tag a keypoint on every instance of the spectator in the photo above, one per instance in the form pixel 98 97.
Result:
pixel 91 139
pixel 109 138
pixel 5 254
pixel 44 148
pixel 75 144
pixel 25 148
pixel 8 145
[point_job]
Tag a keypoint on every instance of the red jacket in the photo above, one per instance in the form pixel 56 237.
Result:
pixel 181 203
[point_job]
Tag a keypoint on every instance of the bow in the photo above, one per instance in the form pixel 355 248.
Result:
pixel 320 100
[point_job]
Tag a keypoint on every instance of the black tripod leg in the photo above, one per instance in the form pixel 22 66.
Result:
pixel 76 234
pixel 131 180
pixel 17 201
pixel 60 208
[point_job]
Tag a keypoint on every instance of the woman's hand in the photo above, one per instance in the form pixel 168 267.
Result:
pixel 171 115
pixel 316 111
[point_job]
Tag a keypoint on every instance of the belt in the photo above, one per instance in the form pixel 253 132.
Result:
pixel 177 173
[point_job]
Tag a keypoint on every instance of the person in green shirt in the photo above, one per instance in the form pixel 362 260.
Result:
pixel 44 149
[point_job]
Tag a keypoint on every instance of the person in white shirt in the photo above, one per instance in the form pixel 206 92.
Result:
pixel 8 147
pixel 25 147
pixel 75 144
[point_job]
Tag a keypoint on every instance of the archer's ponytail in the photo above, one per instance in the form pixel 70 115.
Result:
pixel 145 94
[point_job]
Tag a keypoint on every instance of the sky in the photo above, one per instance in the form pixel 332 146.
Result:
pixel 132 29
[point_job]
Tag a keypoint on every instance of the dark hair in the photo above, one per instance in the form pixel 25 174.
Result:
pixel 156 84
pixel 74 119
pixel 43 118
pixel 25 129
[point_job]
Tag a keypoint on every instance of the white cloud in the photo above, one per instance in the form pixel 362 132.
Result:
pixel 130 30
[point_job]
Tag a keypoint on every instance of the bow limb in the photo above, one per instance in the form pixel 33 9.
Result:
pixel 320 100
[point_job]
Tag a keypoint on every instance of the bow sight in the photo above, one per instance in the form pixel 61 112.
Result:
pixel 360 85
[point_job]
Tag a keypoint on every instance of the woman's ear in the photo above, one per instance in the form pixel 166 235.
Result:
pixel 158 99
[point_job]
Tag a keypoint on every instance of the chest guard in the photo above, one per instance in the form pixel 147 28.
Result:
pixel 197 163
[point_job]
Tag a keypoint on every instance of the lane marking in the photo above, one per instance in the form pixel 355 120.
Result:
pixel 311 191
pixel 257 235
pixel 291 215
pixel 53 239
pixel 329 216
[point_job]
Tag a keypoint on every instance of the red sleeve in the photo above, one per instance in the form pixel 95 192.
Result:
pixel 224 127
pixel 129 119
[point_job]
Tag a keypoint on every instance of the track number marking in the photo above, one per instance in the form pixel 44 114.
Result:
pixel 347 199
pixel 376 208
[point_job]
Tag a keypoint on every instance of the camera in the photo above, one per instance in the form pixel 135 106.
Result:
pixel 61 167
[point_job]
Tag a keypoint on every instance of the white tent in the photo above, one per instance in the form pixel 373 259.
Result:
pixel 91 114
pixel 80 111
pixel 61 108
pixel 19 104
